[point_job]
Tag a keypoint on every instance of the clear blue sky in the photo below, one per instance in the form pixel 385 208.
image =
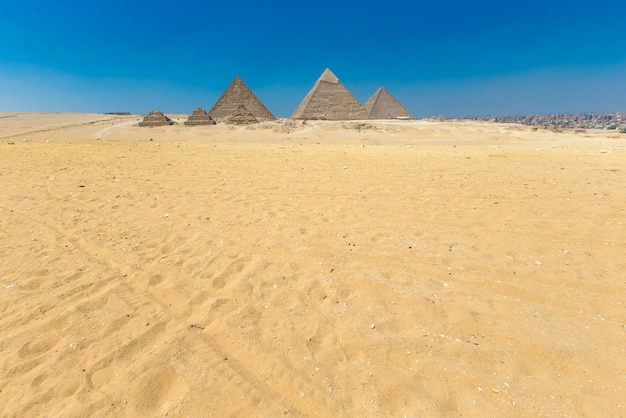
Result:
pixel 453 58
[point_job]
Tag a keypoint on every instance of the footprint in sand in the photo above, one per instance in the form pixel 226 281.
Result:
pixel 155 280
pixel 66 387
pixel 34 348
pixel 101 377
pixel 152 389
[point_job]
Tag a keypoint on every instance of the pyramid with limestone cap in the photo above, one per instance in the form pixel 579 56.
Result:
pixel 237 94
pixel 329 100
pixel 382 105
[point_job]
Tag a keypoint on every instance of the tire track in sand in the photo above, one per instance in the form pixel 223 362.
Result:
pixel 77 298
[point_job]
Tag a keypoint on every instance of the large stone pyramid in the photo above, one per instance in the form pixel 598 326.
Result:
pixel 156 118
pixel 383 105
pixel 199 117
pixel 329 100
pixel 239 94
pixel 241 116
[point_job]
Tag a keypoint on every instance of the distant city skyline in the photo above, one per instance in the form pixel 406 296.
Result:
pixel 454 59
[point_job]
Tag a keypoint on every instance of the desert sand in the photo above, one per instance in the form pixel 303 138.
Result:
pixel 369 268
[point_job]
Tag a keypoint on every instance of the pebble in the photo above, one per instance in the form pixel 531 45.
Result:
pixel 372 326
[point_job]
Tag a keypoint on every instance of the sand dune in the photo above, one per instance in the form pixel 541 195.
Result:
pixel 366 268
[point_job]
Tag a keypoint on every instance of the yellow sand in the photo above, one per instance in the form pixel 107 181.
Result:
pixel 344 268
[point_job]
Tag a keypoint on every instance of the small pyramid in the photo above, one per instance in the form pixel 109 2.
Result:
pixel 240 116
pixel 156 118
pixel 329 100
pixel 237 94
pixel 199 117
pixel 382 105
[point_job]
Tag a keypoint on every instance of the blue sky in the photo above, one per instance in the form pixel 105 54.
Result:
pixel 454 58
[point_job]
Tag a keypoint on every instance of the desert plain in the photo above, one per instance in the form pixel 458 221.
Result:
pixel 289 268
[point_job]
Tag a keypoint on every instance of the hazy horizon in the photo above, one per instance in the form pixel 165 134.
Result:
pixel 456 60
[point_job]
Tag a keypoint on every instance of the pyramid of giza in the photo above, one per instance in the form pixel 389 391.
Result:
pixel 240 116
pixel 199 117
pixel 382 105
pixel 156 118
pixel 329 100
pixel 237 94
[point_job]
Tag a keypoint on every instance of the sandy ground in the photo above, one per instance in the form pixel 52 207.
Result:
pixel 332 269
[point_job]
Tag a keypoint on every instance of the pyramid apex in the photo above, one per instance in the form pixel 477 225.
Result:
pixel 328 76
pixel 379 91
